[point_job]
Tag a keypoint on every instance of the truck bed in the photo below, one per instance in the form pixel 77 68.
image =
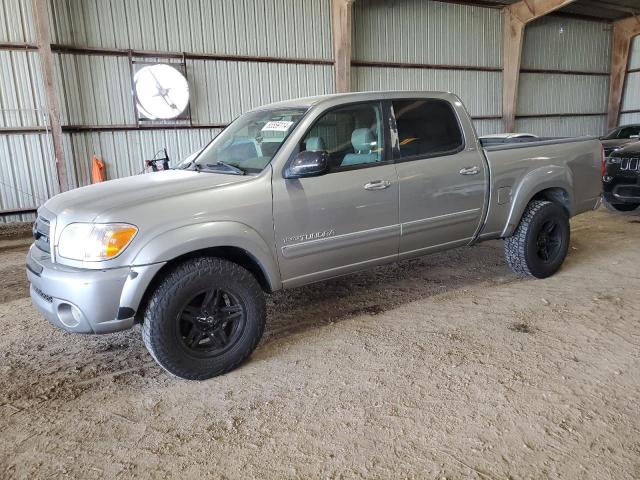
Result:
pixel 489 143
pixel 567 168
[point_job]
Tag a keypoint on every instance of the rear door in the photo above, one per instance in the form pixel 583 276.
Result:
pixel 346 219
pixel 442 178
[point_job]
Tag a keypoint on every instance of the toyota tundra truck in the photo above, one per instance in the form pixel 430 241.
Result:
pixel 293 193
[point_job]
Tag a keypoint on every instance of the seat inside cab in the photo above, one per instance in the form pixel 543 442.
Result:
pixel 351 135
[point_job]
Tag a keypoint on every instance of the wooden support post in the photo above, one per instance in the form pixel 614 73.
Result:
pixel 41 20
pixel 516 16
pixel 341 13
pixel 512 51
pixel 623 32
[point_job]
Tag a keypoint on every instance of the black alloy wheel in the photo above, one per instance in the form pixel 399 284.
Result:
pixel 210 323
pixel 540 243
pixel 204 318
pixel 549 241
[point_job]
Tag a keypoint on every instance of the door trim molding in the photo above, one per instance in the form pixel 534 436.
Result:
pixel 336 271
pixel 434 248
pixel 417 226
pixel 313 247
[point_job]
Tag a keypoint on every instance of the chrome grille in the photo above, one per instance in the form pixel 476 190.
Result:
pixel 632 164
pixel 41 230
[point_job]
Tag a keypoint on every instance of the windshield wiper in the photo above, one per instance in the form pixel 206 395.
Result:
pixel 231 168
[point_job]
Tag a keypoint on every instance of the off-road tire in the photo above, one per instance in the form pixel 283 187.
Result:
pixel 521 248
pixel 165 306
pixel 621 207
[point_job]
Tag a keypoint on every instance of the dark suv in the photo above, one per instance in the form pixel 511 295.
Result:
pixel 619 137
pixel 621 178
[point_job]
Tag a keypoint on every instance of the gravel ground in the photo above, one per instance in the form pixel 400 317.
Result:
pixel 15 230
pixel 443 367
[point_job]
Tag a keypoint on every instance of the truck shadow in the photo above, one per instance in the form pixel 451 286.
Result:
pixel 384 288
pixel 387 287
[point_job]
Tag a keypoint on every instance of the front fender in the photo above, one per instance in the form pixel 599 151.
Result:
pixel 184 240
pixel 533 183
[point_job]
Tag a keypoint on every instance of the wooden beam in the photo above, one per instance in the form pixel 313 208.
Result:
pixel 516 16
pixel 341 17
pixel 41 20
pixel 623 32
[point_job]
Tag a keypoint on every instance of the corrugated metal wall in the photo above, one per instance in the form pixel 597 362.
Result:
pixel 431 34
pixel 631 98
pixel 570 45
pixel 276 28
pixel 96 88
pixel 125 151
pixel 15 21
pixel 448 46
pixel 27 174
pixel 415 31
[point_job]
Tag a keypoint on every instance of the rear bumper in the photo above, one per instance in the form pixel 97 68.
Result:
pixel 84 300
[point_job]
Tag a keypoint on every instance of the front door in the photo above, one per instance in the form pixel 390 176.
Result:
pixel 442 180
pixel 346 219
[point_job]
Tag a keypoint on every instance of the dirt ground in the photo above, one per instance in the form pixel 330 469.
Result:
pixel 443 367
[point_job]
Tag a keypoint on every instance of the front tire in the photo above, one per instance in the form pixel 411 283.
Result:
pixel 204 319
pixel 540 244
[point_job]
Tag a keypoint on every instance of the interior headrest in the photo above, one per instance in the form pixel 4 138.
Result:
pixel 315 144
pixel 362 140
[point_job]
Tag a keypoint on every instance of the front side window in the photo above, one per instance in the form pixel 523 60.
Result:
pixel 627 132
pixel 426 127
pixel 249 143
pixel 351 135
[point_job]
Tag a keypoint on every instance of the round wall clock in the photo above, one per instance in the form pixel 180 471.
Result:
pixel 161 91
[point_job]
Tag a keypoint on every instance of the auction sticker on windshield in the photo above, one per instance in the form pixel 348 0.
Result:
pixel 277 126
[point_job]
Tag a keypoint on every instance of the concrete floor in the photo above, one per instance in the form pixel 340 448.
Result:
pixel 443 367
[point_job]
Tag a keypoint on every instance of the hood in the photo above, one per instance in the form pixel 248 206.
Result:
pixel 630 148
pixel 89 202
pixel 617 142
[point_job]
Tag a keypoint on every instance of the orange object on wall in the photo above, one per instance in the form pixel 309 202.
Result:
pixel 98 170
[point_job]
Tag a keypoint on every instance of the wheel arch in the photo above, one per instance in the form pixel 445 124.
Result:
pixel 553 184
pixel 231 241
pixel 233 254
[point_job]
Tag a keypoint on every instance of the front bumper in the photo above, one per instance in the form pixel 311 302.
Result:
pixel 623 193
pixel 84 300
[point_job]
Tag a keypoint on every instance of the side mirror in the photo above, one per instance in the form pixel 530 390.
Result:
pixel 308 164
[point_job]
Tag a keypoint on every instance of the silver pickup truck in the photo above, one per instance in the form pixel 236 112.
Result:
pixel 293 193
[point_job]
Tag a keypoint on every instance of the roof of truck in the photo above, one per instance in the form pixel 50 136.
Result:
pixel 338 98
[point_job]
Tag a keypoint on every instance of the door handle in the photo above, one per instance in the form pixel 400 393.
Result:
pixel 470 170
pixel 377 185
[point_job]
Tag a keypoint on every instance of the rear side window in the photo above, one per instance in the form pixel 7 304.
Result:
pixel 427 128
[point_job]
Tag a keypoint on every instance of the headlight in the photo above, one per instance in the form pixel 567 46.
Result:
pixel 95 242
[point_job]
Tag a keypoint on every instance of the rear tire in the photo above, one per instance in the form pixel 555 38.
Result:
pixel 204 319
pixel 540 244
pixel 621 207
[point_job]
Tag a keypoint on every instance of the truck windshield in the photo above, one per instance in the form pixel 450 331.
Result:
pixel 249 143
